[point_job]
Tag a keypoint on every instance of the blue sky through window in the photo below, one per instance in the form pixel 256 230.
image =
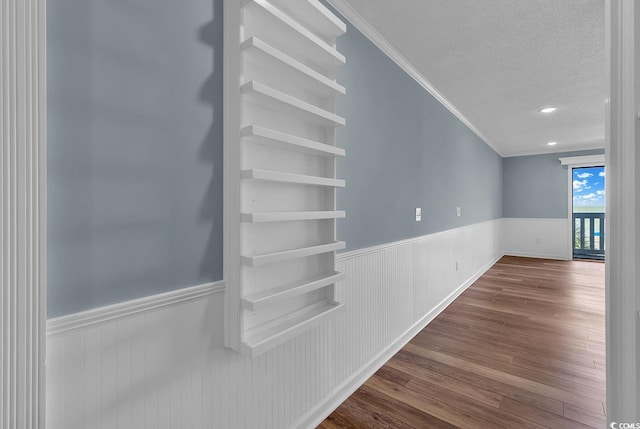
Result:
pixel 588 189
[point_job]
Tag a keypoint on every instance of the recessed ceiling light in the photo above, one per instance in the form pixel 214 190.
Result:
pixel 552 143
pixel 549 109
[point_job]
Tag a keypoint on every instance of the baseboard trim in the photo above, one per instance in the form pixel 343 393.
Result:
pixel 557 257
pixel 124 309
pixel 346 389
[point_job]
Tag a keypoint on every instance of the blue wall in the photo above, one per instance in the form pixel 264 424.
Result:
pixel 135 149
pixel 536 186
pixel 405 150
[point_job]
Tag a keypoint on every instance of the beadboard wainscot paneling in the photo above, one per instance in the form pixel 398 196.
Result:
pixel 160 362
pixel 536 238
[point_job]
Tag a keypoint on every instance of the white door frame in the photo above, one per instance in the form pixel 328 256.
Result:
pixel 22 213
pixel 577 162
pixel 623 210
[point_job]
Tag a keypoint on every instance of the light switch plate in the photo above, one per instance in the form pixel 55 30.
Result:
pixel 458 211
pixel 418 214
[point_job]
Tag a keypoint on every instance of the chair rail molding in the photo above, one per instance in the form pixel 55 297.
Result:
pixel 22 213
pixel 122 310
pixel 623 224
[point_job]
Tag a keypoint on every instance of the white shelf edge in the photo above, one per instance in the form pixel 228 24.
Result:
pixel 272 296
pixel 329 52
pixel 285 255
pixel 260 217
pixel 258 344
pixel 295 39
pixel 315 16
pixel 315 113
pixel 328 86
pixel 264 135
pixel 299 179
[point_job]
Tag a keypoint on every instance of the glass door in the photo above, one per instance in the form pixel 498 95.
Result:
pixel 588 212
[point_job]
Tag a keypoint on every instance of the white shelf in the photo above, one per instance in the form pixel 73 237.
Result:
pixel 294 37
pixel 280 63
pixel 299 179
pixel 282 140
pixel 283 53
pixel 273 99
pixel 314 16
pixel 270 258
pixel 290 216
pixel 260 340
pixel 259 300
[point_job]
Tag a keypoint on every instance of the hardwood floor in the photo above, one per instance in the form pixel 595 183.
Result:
pixel 523 347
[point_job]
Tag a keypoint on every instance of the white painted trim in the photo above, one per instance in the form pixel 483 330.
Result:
pixel 583 161
pixel 622 240
pixel 598 145
pixel 372 249
pixel 536 219
pixel 351 15
pixel 124 309
pixel 231 65
pixel 23 220
pixel 555 257
pixel 346 389
pixel 543 152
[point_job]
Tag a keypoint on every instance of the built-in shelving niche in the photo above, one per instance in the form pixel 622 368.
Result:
pixel 280 176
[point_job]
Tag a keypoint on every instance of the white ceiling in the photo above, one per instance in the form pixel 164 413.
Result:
pixel 499 61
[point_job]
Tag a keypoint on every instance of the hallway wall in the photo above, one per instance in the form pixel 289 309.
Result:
pixel 405 150
pixel 125 355
pixel 135 152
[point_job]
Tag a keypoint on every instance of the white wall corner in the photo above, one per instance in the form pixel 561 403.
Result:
pixel 536 238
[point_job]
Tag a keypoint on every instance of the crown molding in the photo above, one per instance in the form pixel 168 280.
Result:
pixel 359 22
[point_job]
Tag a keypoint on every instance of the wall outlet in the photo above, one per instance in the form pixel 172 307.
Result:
pixel 458 211
pixel 418 214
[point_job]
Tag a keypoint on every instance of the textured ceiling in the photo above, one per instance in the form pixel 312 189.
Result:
pixel 500 61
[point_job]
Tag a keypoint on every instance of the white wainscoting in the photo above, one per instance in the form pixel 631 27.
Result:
pixel 536 238
pixel 165 366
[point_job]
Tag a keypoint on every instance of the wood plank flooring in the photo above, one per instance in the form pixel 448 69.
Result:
pixel 523 347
